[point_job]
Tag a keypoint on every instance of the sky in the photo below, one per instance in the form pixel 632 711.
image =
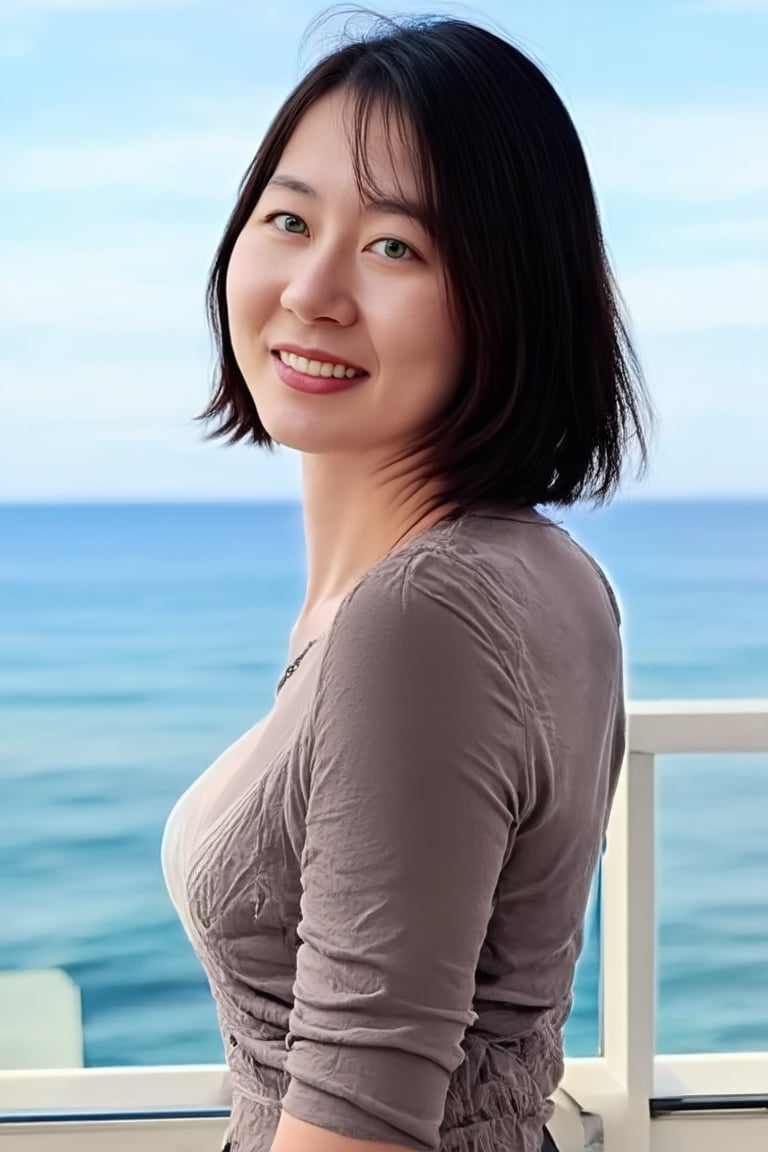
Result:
pixel 125 130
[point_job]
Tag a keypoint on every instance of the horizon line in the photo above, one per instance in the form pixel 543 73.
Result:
pixel 197 502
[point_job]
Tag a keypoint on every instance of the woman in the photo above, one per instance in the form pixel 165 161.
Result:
pixel 386 878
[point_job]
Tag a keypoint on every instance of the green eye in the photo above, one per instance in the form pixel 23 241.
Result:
pixel 290 220
pixel 394 249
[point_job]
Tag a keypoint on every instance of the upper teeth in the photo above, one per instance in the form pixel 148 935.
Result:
pixel 317 367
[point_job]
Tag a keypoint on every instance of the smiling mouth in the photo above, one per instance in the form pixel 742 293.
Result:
pixel 319 368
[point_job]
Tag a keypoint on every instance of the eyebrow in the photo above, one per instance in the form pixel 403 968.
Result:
pixel 394 205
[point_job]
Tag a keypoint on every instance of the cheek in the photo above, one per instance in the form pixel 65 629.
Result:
pixel 427 340
pixel 422 368
pixel 246 290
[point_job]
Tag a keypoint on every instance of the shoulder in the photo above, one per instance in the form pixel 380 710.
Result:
pixel 591 569
pixel 420 645
pixel 427 590
pixel 537 570
pixel 415 667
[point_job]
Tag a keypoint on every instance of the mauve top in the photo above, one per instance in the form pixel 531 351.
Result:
pixel 386 879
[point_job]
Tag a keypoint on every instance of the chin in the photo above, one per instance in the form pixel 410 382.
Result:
pixel 309 429
pixel 305 435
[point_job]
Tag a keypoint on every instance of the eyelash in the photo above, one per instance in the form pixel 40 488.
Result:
pixel 292 215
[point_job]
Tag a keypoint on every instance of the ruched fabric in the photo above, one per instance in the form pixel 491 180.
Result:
pixel 497 1098
pixel 386 879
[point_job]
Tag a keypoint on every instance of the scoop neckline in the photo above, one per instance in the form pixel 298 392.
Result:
pixel 451 517
pixel 483 508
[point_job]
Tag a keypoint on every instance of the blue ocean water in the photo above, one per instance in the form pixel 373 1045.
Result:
pixel 136 642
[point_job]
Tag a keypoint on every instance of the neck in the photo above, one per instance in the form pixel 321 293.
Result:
pixel 352 519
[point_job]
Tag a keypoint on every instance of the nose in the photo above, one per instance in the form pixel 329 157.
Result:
pixel 320 288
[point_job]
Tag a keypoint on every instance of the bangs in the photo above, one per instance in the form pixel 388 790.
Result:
pixel 375 107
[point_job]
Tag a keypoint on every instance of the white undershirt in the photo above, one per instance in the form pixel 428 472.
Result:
pixel 196 811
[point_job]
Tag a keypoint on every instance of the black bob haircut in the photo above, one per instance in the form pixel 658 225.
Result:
pixel 551 393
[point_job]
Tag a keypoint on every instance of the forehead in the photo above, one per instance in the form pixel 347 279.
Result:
pixel 325 141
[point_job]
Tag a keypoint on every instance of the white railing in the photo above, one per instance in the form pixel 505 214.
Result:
pixel 616 1088
pixel 620 1083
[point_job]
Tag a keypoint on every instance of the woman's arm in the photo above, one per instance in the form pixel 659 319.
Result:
pixel 415 760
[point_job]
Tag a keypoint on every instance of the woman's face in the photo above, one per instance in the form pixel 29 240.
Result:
pixel 316 269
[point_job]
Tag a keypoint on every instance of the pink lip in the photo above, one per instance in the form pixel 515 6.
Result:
pixel 318 385
pixel 316 354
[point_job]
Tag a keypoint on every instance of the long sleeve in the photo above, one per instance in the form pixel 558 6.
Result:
pixel 417 778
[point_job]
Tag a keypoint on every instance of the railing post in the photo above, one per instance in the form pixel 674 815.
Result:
pixel 629 954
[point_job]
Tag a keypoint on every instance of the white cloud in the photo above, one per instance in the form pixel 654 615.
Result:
pixel 74 5
pixel 685 387
pixel 81 392
pixel 704 452
pixel 712 402
pixel 45 461
pixel 204 162
pixel 122 291
pixel 684 154
pixel 15 47
pixel 732 229
pixel 698 457
pixel 197 165
pixel 728 5
pixel 691 298
pixel 122 426
pixel 697 154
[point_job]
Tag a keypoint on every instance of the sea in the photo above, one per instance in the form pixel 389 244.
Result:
pixel 138 641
